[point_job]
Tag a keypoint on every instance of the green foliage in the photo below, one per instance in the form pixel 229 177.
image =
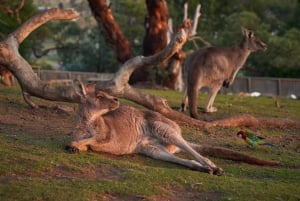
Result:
pixel 130 15
pixel 9 22
pixel 275 22
pixel 286 49
pixel 81 46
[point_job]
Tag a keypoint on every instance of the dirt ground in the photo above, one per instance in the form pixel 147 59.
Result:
pixel 17 117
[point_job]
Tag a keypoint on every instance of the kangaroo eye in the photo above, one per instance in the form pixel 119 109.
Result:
pixel 100 95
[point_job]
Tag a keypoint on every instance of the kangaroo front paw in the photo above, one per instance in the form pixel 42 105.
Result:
pixel 72 149
pixel 218 171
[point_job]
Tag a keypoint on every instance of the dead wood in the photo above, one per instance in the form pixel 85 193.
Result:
pixel 246 120
pixel 118 86
pixel 14 62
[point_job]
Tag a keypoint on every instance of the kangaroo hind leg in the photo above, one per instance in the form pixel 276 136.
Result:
pixel 159 152
pixel 211 99
pixel 169 135
pixel 192 93
pixel 183 145
pixel 184 101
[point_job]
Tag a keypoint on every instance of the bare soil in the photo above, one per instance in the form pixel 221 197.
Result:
pixel 16 118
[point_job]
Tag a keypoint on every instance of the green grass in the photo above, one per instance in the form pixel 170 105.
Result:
pixel 35 166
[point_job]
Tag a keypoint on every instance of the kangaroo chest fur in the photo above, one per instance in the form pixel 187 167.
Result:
pixel 125 128
pixel 216 61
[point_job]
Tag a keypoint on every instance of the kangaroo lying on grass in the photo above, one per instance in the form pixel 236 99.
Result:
pixel 104 126
pixel 214 67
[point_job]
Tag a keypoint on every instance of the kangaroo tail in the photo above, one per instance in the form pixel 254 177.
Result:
pixel 231 155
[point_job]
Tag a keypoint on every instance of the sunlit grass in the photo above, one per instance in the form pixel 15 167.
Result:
pixel 36 167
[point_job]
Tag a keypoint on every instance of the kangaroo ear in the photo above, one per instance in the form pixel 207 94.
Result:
pixel 79 88
pixel 244 31
pixel 248 33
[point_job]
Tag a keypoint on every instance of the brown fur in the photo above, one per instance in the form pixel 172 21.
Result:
pixel 214 67
pixel 104 126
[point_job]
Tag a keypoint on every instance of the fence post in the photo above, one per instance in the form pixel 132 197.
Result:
pixel 249 85
pixel 278 86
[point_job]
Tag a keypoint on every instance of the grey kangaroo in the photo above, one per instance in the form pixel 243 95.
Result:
pixel 104 126
pixel 214 67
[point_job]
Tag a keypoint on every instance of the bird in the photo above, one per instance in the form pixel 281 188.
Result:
pixel 253 139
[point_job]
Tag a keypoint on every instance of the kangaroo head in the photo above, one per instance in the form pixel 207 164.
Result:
pixel 252 42
pixel 94 103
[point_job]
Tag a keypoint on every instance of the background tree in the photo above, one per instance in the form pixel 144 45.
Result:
pixel 221 24
pixel 155 39
pixel 271 20
pixel 275 21
pixel 118 85
pixel 12 14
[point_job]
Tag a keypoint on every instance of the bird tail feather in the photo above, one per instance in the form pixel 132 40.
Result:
pixel 270 144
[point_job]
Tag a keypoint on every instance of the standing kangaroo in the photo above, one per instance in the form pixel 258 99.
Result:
pixel 103 126
pixel 214 67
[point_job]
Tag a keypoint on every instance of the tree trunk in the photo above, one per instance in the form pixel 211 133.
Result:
pixel 157 34
pixel 118 86
pixel 156 38
pixel 111 30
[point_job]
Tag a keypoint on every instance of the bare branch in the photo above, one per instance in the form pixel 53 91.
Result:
pixel 118 86
pixel 13 61
pixel 7 9
pixel 17 11
pixel 20 6
pixel 41 53
pixel 193 38
pixel 174 46
pixel 196 20
pixel 185 11
pixel 53 14
pixel 27 99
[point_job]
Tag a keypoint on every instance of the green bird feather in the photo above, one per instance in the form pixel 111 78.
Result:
pixel 253 139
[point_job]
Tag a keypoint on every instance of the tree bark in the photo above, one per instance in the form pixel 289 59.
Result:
pixel 111 30
pixel 156 38
pixel 118 86
pixel 13 61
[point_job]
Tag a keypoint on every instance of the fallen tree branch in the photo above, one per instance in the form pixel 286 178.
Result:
pixel 246 120
pixel 118 86
pixel 28 80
